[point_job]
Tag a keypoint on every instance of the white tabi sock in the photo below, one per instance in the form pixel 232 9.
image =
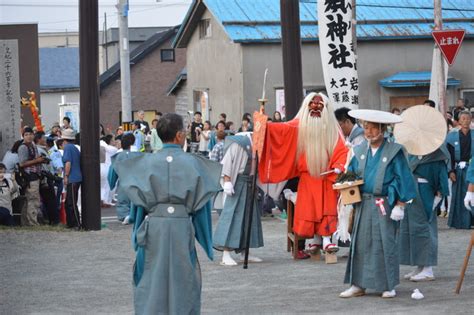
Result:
pixel 317 240
pixel 227 259
pixel 413 273
pixel 427 270
pixel 326 241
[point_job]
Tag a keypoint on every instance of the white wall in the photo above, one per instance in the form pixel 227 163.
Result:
pixel 50 107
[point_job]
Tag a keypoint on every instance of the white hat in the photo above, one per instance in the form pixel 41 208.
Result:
pixel 68 134
pixel 375 116
pixel 422 131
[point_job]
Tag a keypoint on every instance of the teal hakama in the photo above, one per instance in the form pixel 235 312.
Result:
pixel 171 190
pixel 459 216
pixel 373 259
pixel 230 230
pixel 419 227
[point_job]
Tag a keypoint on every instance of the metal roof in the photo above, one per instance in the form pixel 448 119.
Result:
pixel 59 68
pixel 247 21
pixel 413 79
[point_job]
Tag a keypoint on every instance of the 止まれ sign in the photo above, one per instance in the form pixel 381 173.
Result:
pixel 449 43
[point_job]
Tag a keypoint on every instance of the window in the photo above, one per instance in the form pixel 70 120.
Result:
pixel 205 29
pixel 167 55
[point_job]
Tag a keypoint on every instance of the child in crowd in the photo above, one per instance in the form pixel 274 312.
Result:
pixel 204 136
pixel 8 192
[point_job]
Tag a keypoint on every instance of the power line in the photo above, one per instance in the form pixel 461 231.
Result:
pixel 75 4
pixel 115 13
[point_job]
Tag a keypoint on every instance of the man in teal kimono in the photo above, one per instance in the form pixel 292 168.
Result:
pixel 388 185
pixel 123 202
pixel 230 234
pixel 461 148
pixel 171 190
pixel 419 228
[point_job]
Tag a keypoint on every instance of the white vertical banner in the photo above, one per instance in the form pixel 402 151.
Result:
pixel 337 52
pixel 435 93
pixel 9 95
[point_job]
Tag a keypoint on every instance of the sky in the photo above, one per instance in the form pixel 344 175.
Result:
pixel 62 15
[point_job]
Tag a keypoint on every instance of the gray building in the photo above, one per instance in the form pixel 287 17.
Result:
pixel 59 81
pixel 110 47
pixel 230 43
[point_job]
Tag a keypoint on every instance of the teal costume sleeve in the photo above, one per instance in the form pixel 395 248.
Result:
pixel 470 173
pixel 137 215
pixel 210 175
pixel 443 184
pixel 202 223
pixel 353 165
pixel 402 187
pixel 112 178
pixel 212 141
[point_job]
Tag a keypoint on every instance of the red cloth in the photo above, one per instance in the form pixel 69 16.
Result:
pixel 316 204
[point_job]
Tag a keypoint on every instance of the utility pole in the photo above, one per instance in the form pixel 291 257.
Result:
pixel 354 27
pixel 89 112
pixel 105 42
pixel 291 48
pixel 122 7
pixel 438 19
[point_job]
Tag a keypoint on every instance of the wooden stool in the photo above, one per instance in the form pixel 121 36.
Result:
pixel 330 258
pixel 466 262
pixel 292 238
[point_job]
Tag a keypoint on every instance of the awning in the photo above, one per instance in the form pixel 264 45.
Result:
pixel 413 79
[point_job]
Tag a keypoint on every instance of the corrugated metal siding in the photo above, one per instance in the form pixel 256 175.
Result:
pixel 272 33
pixel 412 79
pixel 243 19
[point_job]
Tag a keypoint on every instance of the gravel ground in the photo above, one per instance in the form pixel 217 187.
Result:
pixel 50 272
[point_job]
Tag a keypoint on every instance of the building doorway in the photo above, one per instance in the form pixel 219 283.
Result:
pixel 403 102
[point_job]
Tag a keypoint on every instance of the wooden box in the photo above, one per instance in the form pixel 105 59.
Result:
pixel 349 191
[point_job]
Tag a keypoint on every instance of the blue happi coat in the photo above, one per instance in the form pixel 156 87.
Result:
pixel 171 191
pixel 419 227
pixel 459 216
pixel 373 259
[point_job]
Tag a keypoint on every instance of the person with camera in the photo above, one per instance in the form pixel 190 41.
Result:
pixel 30 162
pixel 47 181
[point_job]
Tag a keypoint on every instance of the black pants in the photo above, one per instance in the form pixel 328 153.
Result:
pixel 73 218
pixel 5 217
pixel 48 197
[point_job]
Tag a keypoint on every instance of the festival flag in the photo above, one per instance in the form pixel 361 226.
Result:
pixel 339 60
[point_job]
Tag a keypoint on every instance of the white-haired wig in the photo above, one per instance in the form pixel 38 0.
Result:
pixel 317 136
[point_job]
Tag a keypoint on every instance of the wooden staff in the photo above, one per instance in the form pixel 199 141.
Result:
pixel 249 203
pixel 464 266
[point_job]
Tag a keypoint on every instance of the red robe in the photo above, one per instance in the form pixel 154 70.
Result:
pixel 316 204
